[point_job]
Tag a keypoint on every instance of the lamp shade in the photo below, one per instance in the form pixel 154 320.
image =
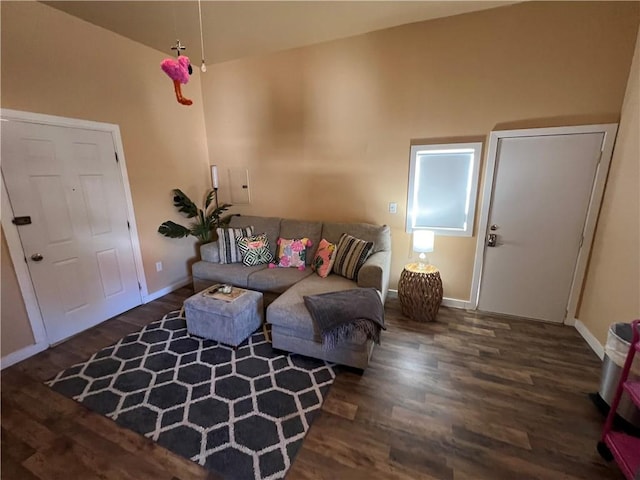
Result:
pixel 214 176
pixel 423 241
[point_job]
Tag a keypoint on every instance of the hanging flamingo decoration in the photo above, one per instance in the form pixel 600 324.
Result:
pixel 178 70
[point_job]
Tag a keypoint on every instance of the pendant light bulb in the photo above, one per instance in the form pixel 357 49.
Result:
pixel 203 67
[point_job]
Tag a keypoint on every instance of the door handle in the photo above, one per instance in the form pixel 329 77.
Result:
pixel 492 240
pixel 36 257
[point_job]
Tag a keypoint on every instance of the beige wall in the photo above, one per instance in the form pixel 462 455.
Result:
pixel 56 64
pixel 326 130
pixel 612 286
pixel 15 331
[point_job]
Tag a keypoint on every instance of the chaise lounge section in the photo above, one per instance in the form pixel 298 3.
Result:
pixel 293 329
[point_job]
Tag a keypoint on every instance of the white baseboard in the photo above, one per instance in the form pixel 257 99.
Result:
pixel 455 303
pixel 164 291
pixel 446 302
pixel 592 341
pixel 22 354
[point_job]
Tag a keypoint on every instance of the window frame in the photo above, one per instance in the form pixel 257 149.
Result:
pixel 472 186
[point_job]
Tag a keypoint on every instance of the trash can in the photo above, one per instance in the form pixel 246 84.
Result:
pixel 615 354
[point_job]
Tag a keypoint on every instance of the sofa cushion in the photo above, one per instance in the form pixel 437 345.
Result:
pixel 234 273
pixel 300 229
pixel 380 235
pixel 228 250
pixel 351 253
pixel 255 250
pixel 209 252
pixel 289 310
pixel 268 225
pixel 276 280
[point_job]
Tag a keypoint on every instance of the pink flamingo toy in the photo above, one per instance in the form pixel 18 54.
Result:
pixel 178 70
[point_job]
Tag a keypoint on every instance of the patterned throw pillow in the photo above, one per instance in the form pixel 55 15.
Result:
pixel 351 253
pixel 292 253
pixel 255 250
pixel 228 243
pixel 325 256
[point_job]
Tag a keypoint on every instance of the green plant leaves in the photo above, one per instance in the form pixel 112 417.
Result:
pixel 173 230
pixel 215 214
pixel 184 203
pixel 210 197
pixel 206 220
pixel 202 231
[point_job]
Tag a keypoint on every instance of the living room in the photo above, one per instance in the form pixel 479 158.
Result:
pixel 325 130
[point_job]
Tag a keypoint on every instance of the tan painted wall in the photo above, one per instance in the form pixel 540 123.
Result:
pixel 15 331
pixel 56 64
pixel 325 130
pixel 612 286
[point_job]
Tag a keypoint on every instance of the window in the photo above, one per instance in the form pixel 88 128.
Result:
pixel 443 182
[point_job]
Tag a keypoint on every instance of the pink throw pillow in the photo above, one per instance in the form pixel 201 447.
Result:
pixel 325 256
pixel 292 253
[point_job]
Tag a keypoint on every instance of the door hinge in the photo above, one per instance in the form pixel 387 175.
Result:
pixel 581 241
pixel 128 225
pixel 139 286
pixel 117 159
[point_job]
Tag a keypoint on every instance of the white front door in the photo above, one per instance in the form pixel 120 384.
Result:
pixel 541 195
pixel 76 241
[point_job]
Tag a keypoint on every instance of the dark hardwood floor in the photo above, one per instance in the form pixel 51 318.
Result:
pixel 468 397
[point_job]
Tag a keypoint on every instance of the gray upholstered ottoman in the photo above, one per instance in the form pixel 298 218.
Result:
pixel 226 322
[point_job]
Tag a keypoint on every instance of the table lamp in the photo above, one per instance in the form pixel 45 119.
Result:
pixel 423 243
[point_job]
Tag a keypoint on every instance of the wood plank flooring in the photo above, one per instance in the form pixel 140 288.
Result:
pixel 469 397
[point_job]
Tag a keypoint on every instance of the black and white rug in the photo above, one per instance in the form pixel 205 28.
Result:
pixel 242 414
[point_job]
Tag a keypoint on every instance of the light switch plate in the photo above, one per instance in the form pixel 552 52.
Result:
pixel 393 207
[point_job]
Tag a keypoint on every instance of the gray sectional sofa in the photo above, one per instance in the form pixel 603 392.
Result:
pixel 293 329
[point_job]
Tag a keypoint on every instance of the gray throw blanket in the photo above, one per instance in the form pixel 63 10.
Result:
pixel 340 315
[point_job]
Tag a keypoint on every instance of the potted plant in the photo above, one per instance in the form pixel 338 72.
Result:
pixel 207 219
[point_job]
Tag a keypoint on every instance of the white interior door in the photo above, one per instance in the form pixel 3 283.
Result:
pixel 77 245
pixel 541 195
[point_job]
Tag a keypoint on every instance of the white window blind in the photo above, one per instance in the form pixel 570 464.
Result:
pixel 443 188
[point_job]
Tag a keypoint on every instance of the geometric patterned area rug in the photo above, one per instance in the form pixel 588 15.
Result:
pixel 242 414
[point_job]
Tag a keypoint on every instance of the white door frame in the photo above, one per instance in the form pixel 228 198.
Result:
pixel 595 201
pixel 11 231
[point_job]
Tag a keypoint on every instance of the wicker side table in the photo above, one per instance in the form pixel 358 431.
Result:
pixel 420 292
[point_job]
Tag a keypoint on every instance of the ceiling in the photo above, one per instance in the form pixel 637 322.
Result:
pixel 236 29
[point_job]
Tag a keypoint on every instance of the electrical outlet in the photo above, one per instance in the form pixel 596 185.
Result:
pixel 393 207
pixel 158 266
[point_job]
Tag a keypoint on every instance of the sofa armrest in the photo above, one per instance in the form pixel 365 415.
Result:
pixel 375 273
pixel 209 252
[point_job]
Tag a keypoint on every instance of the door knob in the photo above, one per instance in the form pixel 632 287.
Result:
pixel 36 257
pixel 492 240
